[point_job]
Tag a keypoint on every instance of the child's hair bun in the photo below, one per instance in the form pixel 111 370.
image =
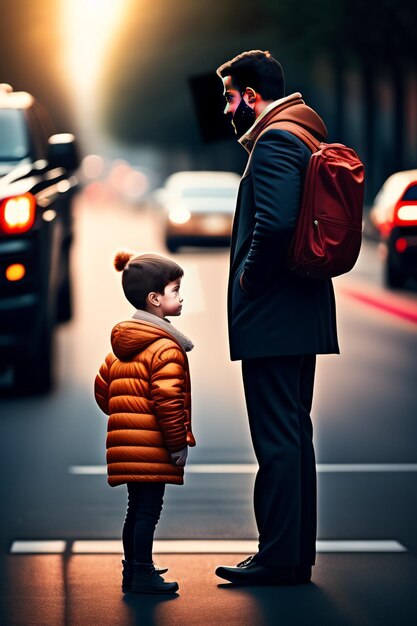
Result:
pixel 121 260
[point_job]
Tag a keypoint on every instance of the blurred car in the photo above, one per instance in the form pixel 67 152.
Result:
pixel 394 215
pixel 36 190
pixel 198 208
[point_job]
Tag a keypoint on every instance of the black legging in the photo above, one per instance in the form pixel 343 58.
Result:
pixel 143 510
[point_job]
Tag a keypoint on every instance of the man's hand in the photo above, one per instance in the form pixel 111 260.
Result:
pixel 179 458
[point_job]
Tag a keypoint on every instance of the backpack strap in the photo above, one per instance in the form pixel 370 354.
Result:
pixel 299 131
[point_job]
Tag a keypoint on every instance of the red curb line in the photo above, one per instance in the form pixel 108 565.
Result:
pixel 409 316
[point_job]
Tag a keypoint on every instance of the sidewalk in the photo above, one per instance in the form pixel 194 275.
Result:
pixel 84 590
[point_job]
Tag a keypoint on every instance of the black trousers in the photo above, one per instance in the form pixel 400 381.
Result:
pixel 279 393
pixel 144 508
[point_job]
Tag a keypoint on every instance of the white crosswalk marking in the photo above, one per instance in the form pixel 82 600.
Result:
pixel 193 546
pixel 44 547
pixel 251 468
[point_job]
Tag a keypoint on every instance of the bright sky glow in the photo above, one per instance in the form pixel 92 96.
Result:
pixel 88 28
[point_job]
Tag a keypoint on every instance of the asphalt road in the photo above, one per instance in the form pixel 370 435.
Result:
pixel 364 413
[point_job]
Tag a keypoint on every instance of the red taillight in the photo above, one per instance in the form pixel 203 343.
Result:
pixel 405 213
pixel 401 245
pixel 17 214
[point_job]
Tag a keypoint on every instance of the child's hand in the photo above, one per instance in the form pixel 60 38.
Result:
pixel 179 458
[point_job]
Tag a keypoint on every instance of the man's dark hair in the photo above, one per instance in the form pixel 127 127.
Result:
pixel 256 69
pixel 145 273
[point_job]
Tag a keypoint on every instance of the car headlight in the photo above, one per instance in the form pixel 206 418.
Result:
pixel 179 215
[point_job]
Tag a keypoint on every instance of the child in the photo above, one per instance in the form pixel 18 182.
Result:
pixel 144 387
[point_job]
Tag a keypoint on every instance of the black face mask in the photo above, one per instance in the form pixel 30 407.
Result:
pixel 243 118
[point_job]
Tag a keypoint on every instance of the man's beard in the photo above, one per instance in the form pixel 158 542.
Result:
pixel 243 118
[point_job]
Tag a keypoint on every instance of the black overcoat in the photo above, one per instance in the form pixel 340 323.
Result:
pixel 276 312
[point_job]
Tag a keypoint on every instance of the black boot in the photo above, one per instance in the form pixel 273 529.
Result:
pixel 127 574
pixel 147 580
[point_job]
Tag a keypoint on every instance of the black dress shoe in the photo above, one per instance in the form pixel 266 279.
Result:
pixel 254 574
pixel 245 562
pixel 302 572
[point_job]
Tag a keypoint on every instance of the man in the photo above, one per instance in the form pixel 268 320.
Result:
pixel 278 321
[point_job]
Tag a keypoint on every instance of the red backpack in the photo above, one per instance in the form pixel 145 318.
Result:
pixel 328 234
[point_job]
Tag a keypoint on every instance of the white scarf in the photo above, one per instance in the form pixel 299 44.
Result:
pixel 166 325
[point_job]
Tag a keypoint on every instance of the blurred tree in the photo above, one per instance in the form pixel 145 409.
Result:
pixel 374 36
pixel 382 36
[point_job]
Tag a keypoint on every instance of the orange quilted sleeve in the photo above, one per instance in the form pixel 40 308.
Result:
pixel 101 385
pixel 168 388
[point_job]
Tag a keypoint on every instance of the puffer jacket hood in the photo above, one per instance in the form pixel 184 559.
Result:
pixel 133 336
pixel 290 109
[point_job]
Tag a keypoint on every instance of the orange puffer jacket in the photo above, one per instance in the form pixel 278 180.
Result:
pixel 144 387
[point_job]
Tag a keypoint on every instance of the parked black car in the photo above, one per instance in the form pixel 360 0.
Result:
pixel 37 185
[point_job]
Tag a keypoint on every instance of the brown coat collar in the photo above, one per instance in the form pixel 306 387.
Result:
pixel 289 109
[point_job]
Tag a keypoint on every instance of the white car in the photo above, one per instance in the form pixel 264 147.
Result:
pixel 198 208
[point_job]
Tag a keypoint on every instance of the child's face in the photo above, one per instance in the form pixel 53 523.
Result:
pixel 171 301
